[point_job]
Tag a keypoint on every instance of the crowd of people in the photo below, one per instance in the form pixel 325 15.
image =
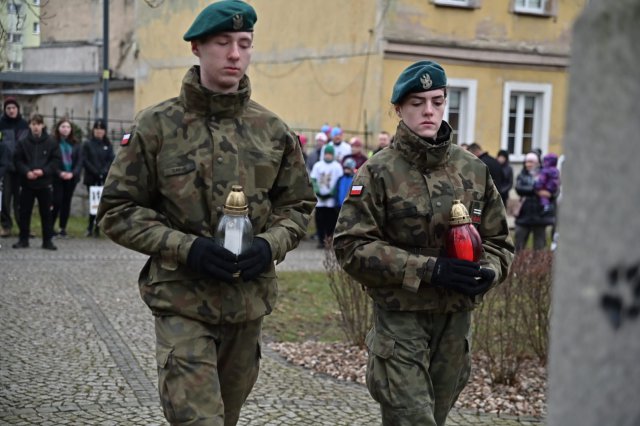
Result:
pixel 43 166
pixel 387 212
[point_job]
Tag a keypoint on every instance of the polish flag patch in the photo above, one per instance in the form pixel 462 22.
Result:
pixel 356 190
pixel 125 139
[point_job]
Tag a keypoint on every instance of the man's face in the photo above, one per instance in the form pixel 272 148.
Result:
pixel 224 59
pixel 36 128
pixel 383 140
pixel 422 112
pixel 11 110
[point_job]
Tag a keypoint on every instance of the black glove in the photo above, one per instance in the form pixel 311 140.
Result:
pixel 462 276
pixel 256 260
pixel 210 259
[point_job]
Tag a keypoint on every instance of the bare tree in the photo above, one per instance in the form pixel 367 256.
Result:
pixel 13 23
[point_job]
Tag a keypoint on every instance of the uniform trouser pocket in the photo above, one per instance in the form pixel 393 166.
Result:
pixel 205 372
pixel 418 364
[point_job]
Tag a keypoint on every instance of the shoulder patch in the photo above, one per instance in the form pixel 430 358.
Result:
pixel 125 139
pixel 356 190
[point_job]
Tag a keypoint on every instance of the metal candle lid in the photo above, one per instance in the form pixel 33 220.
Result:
pixel 236 204
pixel 459 214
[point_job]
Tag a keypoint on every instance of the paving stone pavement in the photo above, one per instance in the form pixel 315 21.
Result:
pixel 77 348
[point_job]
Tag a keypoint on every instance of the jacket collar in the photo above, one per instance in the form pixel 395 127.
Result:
pixel 423 153
pixel 201 101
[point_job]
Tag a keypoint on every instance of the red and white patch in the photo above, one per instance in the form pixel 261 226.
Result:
pixel 125 139
pixel 356 190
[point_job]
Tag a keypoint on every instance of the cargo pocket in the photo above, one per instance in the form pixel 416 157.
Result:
pixel 163 360
pixel 380 351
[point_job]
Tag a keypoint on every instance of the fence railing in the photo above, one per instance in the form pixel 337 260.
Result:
pixel 115 127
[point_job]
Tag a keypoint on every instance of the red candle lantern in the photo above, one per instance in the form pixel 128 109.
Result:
pixel 463 239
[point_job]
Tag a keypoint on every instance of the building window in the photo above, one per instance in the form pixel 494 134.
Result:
pixel 525 118
pixel 534 7
pixel 15 38
pixel 460 111
pixel 13 8
pixel 15 66
pixel 36 27
pixel 458 3
pixel 36 2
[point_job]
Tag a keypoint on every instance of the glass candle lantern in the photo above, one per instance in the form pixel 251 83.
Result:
pixel 463 239
pixel 235 232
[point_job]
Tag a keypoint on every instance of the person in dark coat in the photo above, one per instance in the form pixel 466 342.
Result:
pixel 507 175
pixel 12 129
pixel 97 156
pixel 530 219
pixel 37 161
pixel 495 169
pixel 64 184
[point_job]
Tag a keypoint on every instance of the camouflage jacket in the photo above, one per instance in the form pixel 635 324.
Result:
pixel 389 236
pixel 170 180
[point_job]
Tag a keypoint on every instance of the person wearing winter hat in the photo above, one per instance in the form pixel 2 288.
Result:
pixel 324 177
pixel 342 148
pixel 315 154
pixel 390 237
pixel 344 183
pixel 357 153
pixel 13 128
pixel 165 196
pixel 529 218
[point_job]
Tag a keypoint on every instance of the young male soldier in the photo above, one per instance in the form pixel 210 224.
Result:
pixel 390 237
pixel 164 197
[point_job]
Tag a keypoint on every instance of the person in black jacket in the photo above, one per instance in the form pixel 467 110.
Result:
pixel 97 155
pixel 507 175
pixel 37 161
pixel 12 129
pixel 70 168
pixel 530 219
pixel 495 169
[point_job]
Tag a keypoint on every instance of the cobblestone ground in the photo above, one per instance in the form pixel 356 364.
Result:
pixel 77 348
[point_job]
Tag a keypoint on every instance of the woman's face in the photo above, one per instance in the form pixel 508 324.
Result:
pixel 531 164
pixel 422 112
pixel 64 129
pixel 99 133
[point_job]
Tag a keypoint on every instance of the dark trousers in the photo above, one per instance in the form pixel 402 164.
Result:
pixel 62 195
pixel 539 236
pixel 326 218
pixel 45 198
pixel 10 198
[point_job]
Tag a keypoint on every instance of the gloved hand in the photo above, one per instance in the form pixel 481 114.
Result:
pixel 462 276
pixel 255 261
pixel 210 259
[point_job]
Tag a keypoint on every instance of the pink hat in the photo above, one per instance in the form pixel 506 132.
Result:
pixel 303 139
pixel 321 137
pixel 355 141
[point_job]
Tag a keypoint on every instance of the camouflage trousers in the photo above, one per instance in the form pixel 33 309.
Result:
pixel 419 362
pixel 205 372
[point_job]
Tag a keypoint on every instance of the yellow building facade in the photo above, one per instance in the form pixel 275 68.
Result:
pixel 333 61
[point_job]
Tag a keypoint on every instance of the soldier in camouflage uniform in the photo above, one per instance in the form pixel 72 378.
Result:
pixel 164 196
pixel 390 237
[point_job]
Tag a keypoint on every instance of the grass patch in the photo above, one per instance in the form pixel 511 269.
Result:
pixel 306 309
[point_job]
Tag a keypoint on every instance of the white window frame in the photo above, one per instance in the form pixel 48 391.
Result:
pixel 542 117
pixel 36 2
pixel 14 66
pixel 458 3
pixel 542 10
pixel 466 134
pixel 14 38
pixel 36 27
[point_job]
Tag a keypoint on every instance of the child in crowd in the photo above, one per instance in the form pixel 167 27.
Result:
pixel 548 179
pixel 344 183
pixel 324 177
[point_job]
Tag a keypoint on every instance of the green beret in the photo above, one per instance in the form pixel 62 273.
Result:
pixel 222 16
pixel 419 77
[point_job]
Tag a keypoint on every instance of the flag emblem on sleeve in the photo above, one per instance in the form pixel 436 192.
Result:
pixel 125 139
pixel 356 190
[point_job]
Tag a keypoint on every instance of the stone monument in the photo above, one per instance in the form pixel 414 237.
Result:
pixel 594 362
